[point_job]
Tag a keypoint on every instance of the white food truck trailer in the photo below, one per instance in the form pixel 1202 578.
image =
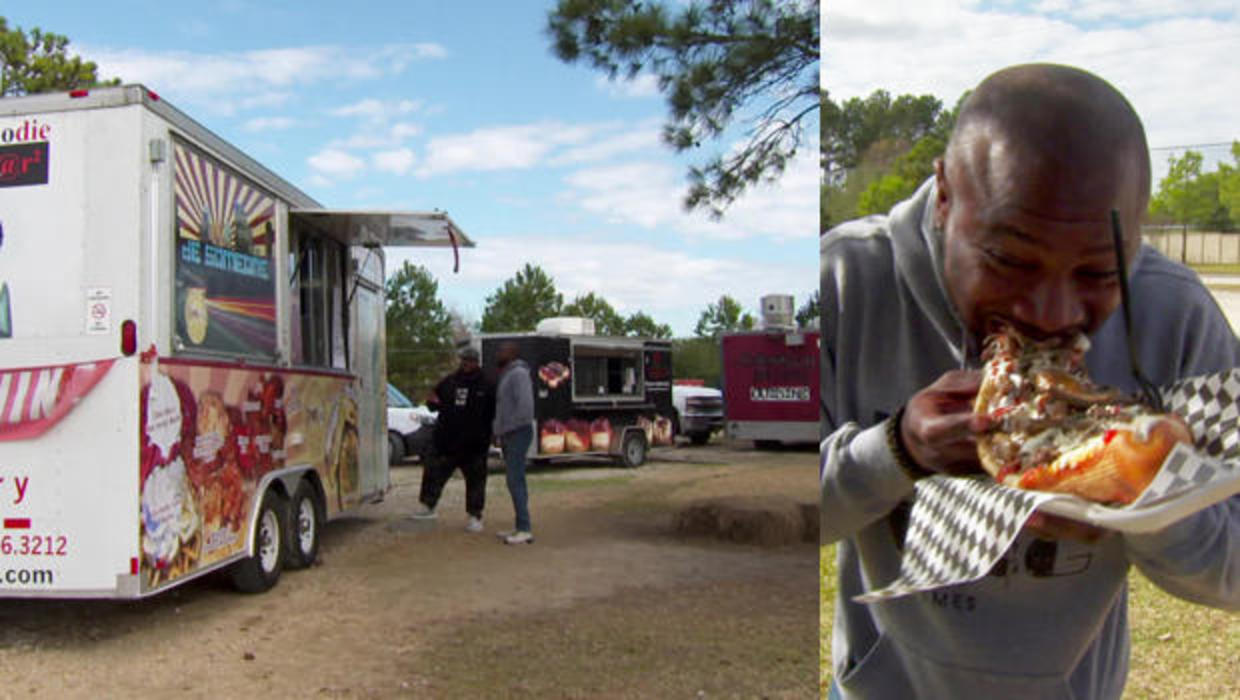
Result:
pixel 192 360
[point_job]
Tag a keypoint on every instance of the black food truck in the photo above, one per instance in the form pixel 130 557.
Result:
pixel 593 395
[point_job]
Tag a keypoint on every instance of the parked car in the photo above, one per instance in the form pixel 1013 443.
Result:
pixel 409 427
pixel 699 412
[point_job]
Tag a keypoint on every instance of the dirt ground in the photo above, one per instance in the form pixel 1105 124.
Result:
pixel 612 600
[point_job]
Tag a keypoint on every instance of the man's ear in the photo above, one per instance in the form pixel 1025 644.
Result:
pixel 943 195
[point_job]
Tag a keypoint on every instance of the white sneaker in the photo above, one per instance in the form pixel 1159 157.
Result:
pixel 424 512
pixel 474 524
pixel 505 534
pixel 519 537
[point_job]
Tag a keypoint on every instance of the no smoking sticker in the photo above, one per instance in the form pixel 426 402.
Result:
pixel 98 310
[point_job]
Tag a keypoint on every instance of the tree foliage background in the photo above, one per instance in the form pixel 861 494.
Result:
pixel 877 150
pixel 807 314
pixel 606 320
pixel 1190 198
pixel 419 331
pixel 723 316
pixel 530 295
pixel 39 61
pixel 521 302
pixel 698 358
pixel 717 62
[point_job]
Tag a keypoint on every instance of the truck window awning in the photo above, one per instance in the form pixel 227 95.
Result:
pixel 384 228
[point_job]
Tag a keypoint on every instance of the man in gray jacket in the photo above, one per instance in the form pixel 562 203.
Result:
pixel 514 426
pixel 1012 228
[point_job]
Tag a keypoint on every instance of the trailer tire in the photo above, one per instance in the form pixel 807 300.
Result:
pixel 396 448
pixel 633 449
pixel 259 572
pixel 305 523
pixel 699 438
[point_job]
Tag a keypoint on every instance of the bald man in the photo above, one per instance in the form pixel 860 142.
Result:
pixel 1013 227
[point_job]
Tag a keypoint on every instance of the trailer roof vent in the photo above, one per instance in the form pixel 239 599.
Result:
pixel 777 312
pixel 566 325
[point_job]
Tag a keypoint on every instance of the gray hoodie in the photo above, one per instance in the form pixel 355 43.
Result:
pixel 514 398
pixel 1050 621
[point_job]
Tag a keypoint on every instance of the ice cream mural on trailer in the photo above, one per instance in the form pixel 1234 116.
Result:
pixel 210 433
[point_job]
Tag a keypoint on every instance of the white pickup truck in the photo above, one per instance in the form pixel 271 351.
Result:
pixel 699 412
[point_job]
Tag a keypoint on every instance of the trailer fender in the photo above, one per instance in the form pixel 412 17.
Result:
pixel 284 483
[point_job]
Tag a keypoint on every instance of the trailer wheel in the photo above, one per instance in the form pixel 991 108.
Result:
pixel 396 448
pixel 633 449
pixel 305 523
pixel 260 571
pixel 699 438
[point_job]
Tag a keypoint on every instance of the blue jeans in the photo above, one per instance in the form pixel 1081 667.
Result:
pixel 514 445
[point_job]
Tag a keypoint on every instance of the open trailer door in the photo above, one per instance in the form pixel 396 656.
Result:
pixel 365 233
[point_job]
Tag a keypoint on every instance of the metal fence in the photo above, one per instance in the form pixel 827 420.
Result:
pixel 1196 247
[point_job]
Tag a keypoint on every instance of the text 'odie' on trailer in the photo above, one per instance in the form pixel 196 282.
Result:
pixel 771 378
pixel 192 358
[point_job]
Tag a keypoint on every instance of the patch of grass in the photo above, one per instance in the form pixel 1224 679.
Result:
pixel 1220 269
pixel 826 614
pixel 1179 649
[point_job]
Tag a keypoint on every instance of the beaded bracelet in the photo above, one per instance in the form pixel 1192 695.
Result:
pixel 903 459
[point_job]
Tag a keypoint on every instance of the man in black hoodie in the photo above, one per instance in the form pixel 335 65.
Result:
pixel 465 400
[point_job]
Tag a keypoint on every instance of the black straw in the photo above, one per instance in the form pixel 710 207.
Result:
pixel 1148 390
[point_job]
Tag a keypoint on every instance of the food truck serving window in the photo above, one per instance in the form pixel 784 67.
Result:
pixel 601 372
pixel 319 338
pixel 225 282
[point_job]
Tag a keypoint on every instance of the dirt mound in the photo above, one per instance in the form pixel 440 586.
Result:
pixel 770 521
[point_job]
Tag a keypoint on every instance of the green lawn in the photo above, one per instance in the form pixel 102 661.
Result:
pixel 1229 269
pixel 1179 650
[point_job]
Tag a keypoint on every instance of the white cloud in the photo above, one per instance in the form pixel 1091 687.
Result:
pixel 377 110
pixel 784 210
pixel 334 163
pixel 405 130
pixel 397 162
pixel 268 124
pixel 264 100
pixel 499 148
pixel 642 86
pixel 1174 61
pixel 644 193
pixel 673 286
pixel 1136 10
pixel 650 195
pixel 215 80
pixel 645 135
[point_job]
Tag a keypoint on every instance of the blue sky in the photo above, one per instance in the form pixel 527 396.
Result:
pixel 461 106
pixel 1175 60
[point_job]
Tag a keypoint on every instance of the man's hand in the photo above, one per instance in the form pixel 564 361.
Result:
pixel 939 429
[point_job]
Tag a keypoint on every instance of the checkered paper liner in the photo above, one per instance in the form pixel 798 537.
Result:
pixel 960 526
